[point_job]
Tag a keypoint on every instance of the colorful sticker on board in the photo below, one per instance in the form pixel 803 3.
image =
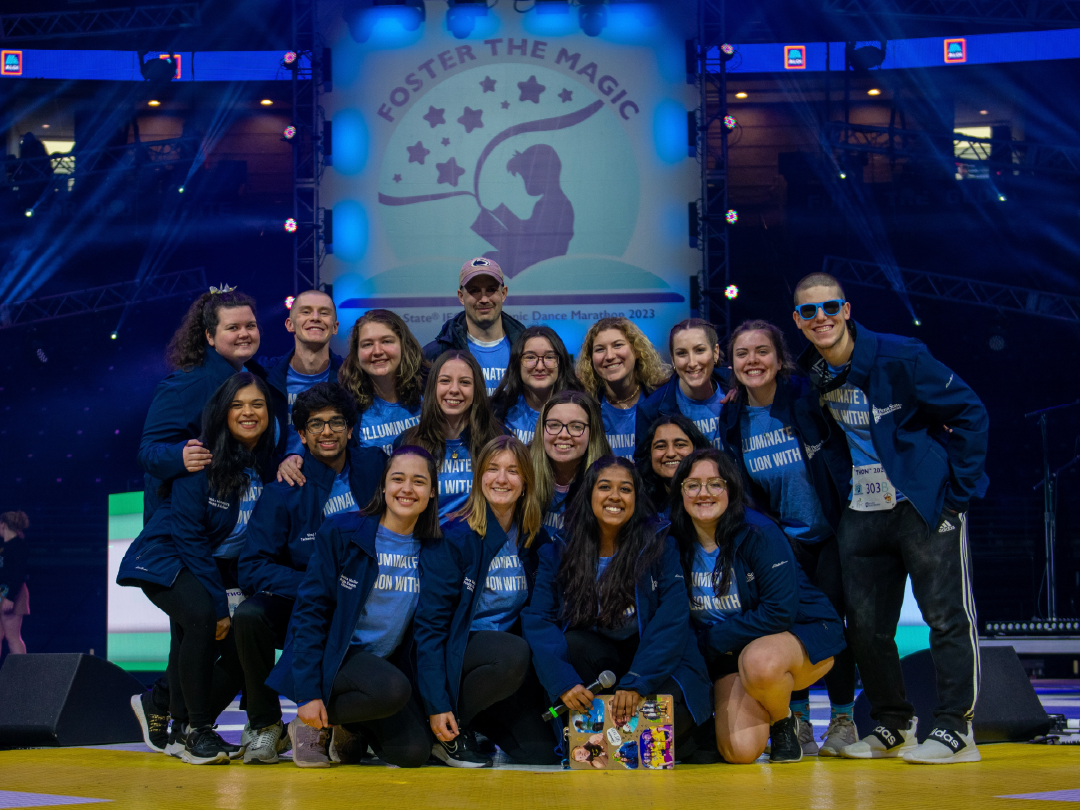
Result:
pixel 593 721
pixel 593 751
pixel 11 63
pixel 795 57
pixel 656 748
pixel 654 709
pixel 954 51
pixel 627 754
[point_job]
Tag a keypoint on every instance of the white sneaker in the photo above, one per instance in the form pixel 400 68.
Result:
pixel 840 733
pixel 945 746
pixel 264 745
pixel 884 742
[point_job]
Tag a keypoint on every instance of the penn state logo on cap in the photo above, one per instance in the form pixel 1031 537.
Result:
pixel 480 266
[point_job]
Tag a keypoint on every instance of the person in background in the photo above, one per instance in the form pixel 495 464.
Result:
pixel 762 627
pixel 383 370
pixel 185 561
pixel 347 662
pixel 539 367
pixel 572 438
pixel 455 423
pixel 482 328
pixel 668 440
pixel 341 477
pixel 14 592
pixel 619 366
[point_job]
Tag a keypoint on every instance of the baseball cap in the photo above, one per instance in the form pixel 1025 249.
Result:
pixel 480 267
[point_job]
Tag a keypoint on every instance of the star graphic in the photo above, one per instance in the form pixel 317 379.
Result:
pixel 397 178
pixel 531 90
pixel 434 116
pixel 449 172
pixel 566 95
pixel 446 142
pixel 417 153
pixel 488 85
pixel 505 105
pixel 471 119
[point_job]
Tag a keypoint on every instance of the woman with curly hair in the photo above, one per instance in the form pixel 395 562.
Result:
pixel 619 366
pixel 14 594
pixel 383 372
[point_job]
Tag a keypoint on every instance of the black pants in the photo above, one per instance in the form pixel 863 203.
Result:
pixel 372 697
pixel 877 550
pixel 822 563
pixel 259 625
pixel 501 697
pixel 591 653
pixel 207 674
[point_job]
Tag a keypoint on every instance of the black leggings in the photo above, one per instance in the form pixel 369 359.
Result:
pixel 372 697
pixel 591 653
pixel 501 697
pixel 259 626
pixel 206 675
pixel 822 563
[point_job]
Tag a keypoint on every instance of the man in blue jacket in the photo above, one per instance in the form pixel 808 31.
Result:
pixel 917 440
pixel 341 477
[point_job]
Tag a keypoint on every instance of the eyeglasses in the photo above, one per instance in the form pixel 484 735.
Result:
pixel 315 426
pixel 555 428
pixel 810 310
pixel 692 487
pixel 532 358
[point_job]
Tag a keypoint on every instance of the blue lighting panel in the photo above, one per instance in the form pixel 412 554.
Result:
pixel 123 66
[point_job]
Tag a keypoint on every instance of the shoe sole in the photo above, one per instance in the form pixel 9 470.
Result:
pixel 178 752
pixel 219 759
pixel 137 708
pixel 255 761
pixel 790 760
pixel 809 749
pixel 876 754
pixel 447 760
pixel 311 764
pixel 961 757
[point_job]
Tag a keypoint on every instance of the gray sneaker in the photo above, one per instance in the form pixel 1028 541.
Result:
pixel 309 745
pixel 840 733
pixel 264 745
pixel 807 738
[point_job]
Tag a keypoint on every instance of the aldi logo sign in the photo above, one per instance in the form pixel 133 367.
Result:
pixel 953 50
pixel 11 63
pixel 795 57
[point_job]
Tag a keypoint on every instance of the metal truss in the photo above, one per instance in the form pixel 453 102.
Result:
pixel 1020 12
pixel 309 247
pixel 952 148
pixel 83 162
pixel 95 299
pixel 956 289
pixel 57 24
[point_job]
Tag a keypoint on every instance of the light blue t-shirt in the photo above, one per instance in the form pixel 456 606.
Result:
pixel 774 461
pixel 340 499
pixel 553 516
pixel 505 590
pixel 619 428
pixel 707 608
pixel 704 414
pixel 455 477
pixel 231 546
pixel 522 420
pixel 629 626
pixel 493 360
pixel 295 383
pixel 393 599
pixel 383 422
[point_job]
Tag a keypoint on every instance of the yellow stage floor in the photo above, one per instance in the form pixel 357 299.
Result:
pixel 122 779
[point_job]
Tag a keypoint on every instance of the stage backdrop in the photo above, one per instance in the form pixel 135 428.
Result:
pixel 561 156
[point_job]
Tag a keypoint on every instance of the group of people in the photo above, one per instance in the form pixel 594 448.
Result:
pixel 445 541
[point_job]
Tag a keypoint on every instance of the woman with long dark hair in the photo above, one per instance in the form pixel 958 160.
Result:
pixel 14 593
pixel 769 427
pixel 185 561
pixel 610 596
pixel 539 367
pixel 571 439
pixel 347 661
pixel 763 628
pixel 383 372
pixel 455 423
pixel 474 667
pixel 668 440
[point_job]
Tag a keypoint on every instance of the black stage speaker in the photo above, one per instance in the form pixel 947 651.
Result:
pixel 66 699
pixel 1008 709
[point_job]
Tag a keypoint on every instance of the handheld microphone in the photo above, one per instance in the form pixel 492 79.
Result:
pixel 604 681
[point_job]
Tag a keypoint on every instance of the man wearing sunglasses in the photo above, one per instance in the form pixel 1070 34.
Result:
pixel 341 477
pixel 917 440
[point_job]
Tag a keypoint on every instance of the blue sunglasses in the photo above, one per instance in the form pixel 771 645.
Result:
pixel 810 310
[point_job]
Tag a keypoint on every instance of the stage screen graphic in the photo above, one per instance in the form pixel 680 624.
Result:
pixel 563 157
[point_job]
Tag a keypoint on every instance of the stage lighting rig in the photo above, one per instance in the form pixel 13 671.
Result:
pixel 865 57
pixel 361 15
pixel 291 225
pixel 291 60
pixel 731 216
pixel 727 51
pixel 157 71
pixel 592 16
pixel 289 133
pixel 551 6
pixel 731 292
pixel 462 16
pixel 730 122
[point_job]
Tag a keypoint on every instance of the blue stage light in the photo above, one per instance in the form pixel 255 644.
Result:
pixel 592 17
pixel 462 16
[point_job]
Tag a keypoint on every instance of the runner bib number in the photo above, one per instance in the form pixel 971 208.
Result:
pixel 871 489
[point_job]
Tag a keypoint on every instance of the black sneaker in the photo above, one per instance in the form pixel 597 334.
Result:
pixel 155 724
pixel 462 752
pixel 205 746
pixel 178 740
pixel 784 741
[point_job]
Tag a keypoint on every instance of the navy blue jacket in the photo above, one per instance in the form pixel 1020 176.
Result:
pixel 663 403
pixel 281 532
pixel 912 397
pixel 340 576
pixel 277 370
pixel 666 645
pixel 175 416
pixel 183 534
pixel 452 578
pixel 792 407
pixel 775 595
pixel 455 335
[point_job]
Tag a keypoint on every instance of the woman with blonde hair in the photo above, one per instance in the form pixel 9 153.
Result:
pixel 619 366
pixel 473 665
pixel 14 594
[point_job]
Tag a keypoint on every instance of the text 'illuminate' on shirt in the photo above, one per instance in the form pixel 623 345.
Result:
pixel 706 607
pixel 295 383
pixel 619 428
pixel 704 414
pixel 383 422
pixel 493 360
pixel 391 603
pixel 505 589
pixel 455 477
pixel 522 421
pixel 553 516
pixel 231 546
pixel 629 625
pixel 341 498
